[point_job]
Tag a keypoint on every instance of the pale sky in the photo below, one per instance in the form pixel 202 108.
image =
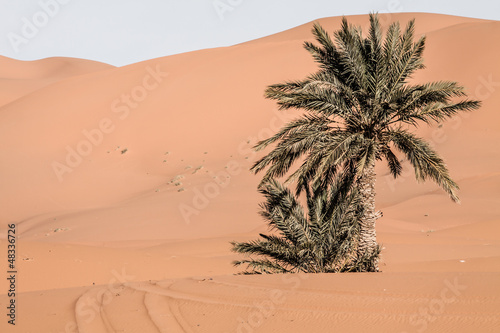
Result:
pixel 121 32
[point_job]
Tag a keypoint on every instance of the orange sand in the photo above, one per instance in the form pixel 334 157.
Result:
pixel 127 184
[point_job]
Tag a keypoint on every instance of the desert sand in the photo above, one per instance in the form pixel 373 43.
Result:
pixel 127 184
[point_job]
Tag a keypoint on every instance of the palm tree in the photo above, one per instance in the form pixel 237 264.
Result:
pixel 359 108
pixel 321 240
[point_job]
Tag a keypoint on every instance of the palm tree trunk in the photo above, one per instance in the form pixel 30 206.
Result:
pixel 368 237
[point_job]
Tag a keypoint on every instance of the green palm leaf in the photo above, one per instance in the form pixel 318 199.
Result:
pixel 323 240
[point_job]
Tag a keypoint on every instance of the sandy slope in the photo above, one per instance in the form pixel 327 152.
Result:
pixel 127 185
pixel 19 78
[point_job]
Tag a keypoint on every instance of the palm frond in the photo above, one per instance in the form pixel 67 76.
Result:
pixel 426 162
pixel 323 240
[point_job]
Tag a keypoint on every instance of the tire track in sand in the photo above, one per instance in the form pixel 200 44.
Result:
pixel 160 306
pixel 90 314
pixel 164 313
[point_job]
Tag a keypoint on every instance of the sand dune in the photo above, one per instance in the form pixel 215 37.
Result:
pixel 19 78
pixel 127 184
